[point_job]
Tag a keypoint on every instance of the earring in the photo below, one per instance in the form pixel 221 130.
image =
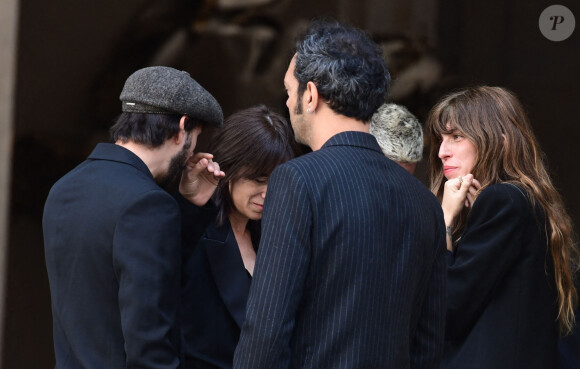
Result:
pixel 308 110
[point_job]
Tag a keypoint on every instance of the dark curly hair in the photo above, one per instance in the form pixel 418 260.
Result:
pixel 346 66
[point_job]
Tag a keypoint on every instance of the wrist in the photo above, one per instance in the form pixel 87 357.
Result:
pixel 449 230
pixel 449 237
pixel 449 221
pixel 187 195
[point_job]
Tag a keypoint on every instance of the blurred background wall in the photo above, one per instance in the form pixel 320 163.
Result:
pixel 68 63
pixel 8 26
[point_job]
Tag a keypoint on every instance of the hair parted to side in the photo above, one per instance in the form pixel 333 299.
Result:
pixel 398 132
pixel 493 119
pixel 250 145
pixel 151 130
pixel 347 67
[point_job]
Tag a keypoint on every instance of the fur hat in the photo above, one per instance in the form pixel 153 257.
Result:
pixel 164 90
pixel 398 132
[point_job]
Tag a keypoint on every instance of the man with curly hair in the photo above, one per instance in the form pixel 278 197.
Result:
pixel 350 271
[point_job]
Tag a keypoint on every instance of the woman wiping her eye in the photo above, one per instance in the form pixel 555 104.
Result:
pixel 218 268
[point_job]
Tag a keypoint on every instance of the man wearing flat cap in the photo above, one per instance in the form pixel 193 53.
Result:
pixel 112 234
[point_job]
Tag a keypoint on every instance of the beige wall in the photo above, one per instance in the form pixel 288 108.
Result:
pixel 8 22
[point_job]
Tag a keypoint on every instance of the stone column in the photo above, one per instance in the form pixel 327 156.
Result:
pixel 8 32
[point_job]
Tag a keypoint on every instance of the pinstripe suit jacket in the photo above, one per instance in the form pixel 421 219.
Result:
pixel 351 270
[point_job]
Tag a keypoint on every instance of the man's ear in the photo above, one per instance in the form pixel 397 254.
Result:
pixel 181 134
pixel 311 102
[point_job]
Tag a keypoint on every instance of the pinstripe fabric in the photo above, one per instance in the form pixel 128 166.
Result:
pixel 350 272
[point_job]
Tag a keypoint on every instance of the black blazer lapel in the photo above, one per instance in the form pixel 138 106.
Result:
pixel 231 277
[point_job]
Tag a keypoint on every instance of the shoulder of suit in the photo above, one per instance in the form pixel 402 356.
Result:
pixel 298 163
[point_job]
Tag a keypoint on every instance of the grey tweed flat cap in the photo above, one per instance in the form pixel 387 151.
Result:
pixel 164 90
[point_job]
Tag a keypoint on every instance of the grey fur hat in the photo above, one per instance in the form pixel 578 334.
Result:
pixel 398 132
pixel 164 90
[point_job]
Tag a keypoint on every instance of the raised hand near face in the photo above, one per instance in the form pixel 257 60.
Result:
pixel 200 178
pixel 455 196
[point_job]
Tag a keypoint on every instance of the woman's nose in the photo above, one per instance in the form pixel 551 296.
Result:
pixel 263 193
pixel 444 151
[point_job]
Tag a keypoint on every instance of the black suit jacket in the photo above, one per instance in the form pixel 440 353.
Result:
pixel 351 270
pixel 501 292
pixel 215 290
pixel 112 245
pixel 569 346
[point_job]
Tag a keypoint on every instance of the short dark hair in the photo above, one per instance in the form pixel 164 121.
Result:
pixel 151 130
pixel 250 145
pixel 347 67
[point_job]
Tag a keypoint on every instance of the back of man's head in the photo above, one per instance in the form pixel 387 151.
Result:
pixel 346 66
pixel 153 101
pixel 398 133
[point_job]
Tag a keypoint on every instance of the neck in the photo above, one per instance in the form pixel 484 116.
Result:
pixel 326 123
pixel 238 222
pixel 156 158
pixel 409 167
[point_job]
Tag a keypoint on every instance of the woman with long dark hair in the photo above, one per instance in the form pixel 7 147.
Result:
pixel 218 267
pixel 511 247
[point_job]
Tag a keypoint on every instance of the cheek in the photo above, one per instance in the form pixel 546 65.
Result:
pixel 472 165
pixel 233 195
pixel 239 196
pixel 236 202
pixel 470 159
pixel 472 162
pixel 289 103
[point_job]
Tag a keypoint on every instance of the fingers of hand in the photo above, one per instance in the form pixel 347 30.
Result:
pixel 214 168
pixel 472 190
pixel 203 163
pixel 203 155
pixel 469 199
pixel 464 183
pixel 198 158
